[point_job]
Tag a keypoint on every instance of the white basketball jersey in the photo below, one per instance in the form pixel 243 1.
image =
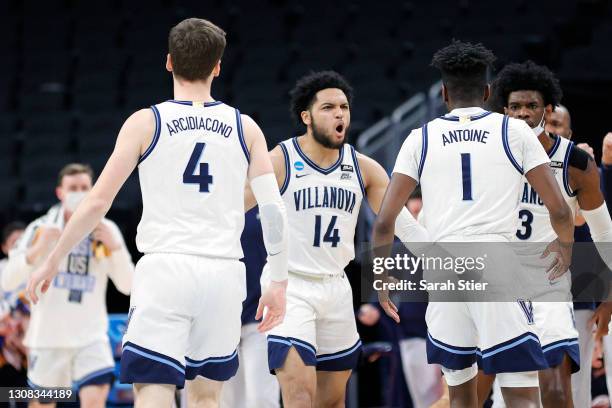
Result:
pixel 192 179
pixel 534 220
pixel 322 208
pixel 470 165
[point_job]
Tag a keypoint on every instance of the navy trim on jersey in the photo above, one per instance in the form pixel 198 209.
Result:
pixel 214 368
pixel 155 135
pixel 423 148
pixel 141 365
pixel 287 169
pixel 241 136
pixel 190 103
pixel 341 360
pixel 555 146
pixel 566 184
pixel 554 353
pixel 472 118
pixel 359 177
pixel 507 145
pixel 313 164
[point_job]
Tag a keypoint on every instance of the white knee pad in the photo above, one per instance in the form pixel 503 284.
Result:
pixel 515 380
pixel 458 377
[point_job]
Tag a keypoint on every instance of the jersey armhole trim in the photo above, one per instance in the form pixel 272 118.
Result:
pixel 423 149
pixel 566 184
pixel 507 145
pixel 155 135
pixel 287 169
pixel 241 136
pixel 358 171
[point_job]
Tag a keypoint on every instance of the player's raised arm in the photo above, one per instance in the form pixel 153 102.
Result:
pixel 136 131
pixel 274 225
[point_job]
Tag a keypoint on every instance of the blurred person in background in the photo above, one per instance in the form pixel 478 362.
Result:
pixel 253 385
pixel 67 340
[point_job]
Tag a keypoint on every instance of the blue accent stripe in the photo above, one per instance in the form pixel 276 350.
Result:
pixel 507 145
pixel 154 358
pixel 423 149
pixel 155 135
pixel 292 342
pixel 32 385
pixel 98 373
pixel 358 171
pixel 508 346
pixel 472 118
pixel 190 103
pixel 196 363
pixel 560 343
pixel 566 184
pixel 287 169
pixel 555 146
pixel 313 164
pixel 241 136
pixel 450 349
pixel 339 354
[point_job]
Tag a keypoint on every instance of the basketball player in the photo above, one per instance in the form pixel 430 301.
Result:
pixel 559 122
pixel 66 337
pixel 193 155
pixel 322 180
pixel 465 200
pixel 530 92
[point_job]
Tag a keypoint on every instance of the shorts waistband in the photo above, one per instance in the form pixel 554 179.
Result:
pixel 318 277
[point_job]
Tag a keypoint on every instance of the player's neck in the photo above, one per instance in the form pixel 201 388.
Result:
pixel 198 91
pixel 322 156
pixel 546 141
pixel 464 104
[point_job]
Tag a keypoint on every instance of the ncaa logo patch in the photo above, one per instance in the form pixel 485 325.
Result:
pixel 298 165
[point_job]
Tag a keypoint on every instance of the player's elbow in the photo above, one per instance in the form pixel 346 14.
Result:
pixel 383 226
pixel 561 214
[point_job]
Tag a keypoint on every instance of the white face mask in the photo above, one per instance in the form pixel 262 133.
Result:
pixel 73 199
pixel 539 128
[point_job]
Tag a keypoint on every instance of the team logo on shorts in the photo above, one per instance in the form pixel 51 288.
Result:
pixel 298 165
pixel 527 308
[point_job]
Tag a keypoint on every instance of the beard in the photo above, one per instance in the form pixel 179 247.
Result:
pixel 325 140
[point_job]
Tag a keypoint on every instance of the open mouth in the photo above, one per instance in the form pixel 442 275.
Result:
pixel 340 128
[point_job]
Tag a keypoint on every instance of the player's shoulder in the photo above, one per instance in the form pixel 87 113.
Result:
pixel 579 159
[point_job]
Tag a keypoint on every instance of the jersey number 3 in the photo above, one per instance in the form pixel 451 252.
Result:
pixel 203 179
pixel 526 218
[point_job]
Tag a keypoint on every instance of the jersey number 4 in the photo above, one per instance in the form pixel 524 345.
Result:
pixel 331 235
pixel 203 179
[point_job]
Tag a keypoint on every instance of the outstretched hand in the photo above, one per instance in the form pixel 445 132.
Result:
pixel 42 275
pixel 272 306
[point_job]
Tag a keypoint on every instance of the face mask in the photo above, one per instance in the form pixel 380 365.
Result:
pixel 539 128
pixel 73 199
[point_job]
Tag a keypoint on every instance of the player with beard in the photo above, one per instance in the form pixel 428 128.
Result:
pixel 322 180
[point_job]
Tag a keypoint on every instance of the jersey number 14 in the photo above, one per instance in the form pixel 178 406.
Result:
pixel 331 235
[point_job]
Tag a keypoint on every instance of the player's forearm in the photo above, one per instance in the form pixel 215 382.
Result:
pixel 89 214
pixel 563 223
pixel 383 234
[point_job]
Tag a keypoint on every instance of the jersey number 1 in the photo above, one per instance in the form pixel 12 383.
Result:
pixel 466 175
pixel 203 179
pixel 331 235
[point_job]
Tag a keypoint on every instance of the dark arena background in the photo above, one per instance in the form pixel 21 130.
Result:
pixel 73 71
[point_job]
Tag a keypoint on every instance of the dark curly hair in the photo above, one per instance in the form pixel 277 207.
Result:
pixel 305 89
pixel 528 76
pixel 464 67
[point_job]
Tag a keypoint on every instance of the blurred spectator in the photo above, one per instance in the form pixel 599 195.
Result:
pixel 66 337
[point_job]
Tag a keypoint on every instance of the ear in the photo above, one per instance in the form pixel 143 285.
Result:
pixel 168 63
pixel 305 115
pixel 217 69
pixel 487 92
pixel 59 193
pixel 444 93
pixel 569 136
pixel 505 110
